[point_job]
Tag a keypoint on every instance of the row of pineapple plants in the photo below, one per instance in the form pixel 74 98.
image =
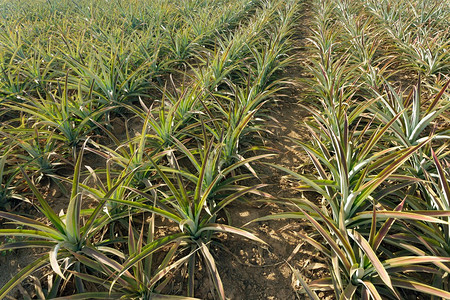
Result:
pixel 100 50
pixel 379 150
pixel 191 95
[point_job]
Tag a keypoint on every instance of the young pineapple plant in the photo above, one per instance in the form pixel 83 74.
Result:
pixel 64 234
pixel 68 117
pixel 148 277
pixel 192 208
pixel 8 181
pixel 415 125
pixel 112 75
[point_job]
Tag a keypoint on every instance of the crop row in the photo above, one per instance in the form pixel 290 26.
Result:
pixel 380 151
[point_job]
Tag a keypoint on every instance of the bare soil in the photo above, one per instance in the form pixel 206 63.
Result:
pixel 251 271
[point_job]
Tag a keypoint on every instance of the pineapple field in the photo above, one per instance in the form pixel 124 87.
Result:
pixel 212 149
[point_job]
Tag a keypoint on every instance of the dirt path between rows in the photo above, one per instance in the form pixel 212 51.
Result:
pixel 251 271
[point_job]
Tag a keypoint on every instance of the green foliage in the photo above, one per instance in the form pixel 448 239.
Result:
pixel 70 70
pixel 64 235
pixel 190 81
pixel 384 216
pixel 8 182
pixel 193 209
pixel 67 118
